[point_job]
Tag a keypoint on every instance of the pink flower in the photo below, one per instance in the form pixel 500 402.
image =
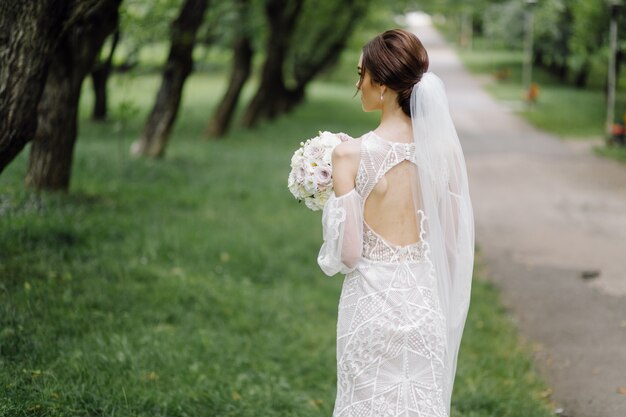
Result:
pixel 323 175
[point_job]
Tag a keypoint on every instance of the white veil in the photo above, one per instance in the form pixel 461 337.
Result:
pixel 443 193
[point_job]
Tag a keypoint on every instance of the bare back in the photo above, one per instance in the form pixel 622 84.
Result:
pixel 384 180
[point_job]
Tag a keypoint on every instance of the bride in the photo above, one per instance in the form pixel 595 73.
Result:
pixel 400 226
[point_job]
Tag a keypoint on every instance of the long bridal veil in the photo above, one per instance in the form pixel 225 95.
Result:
pixel 441 189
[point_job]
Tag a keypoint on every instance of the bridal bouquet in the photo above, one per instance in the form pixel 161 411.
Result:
pixel 310 178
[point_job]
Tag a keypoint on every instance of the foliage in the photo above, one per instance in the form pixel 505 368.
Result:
pixel 504 24
pixel 228 19
pixel 188 286
pixel 144 23
pixel 145 29
pixel 589 37
pixel 552 32
pixel 570 36
pixel 320 26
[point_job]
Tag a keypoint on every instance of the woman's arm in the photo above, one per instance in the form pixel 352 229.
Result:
pixel 342 219
pixel 345 162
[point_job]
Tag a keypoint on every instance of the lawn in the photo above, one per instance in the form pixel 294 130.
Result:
pixel 561 109
pixel 188 286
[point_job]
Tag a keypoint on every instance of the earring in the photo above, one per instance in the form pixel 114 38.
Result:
pixel 381 96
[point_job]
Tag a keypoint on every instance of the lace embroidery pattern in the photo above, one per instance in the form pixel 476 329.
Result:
pixel 377 157
pixel 390 345
pixel 391 332
pixel 376 248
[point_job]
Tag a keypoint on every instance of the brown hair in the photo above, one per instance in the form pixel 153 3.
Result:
pixel 396 59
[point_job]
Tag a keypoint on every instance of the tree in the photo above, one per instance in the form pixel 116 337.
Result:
pixel 552 33
pixel 319 41
pixel 144 23
pixel 100 77
pixel 29 32
pixel 588 38
pixel 50 161
pixel 281 16
pixel 505 23
pixel 242 63
pixel 177 68
pixel 305 45
pixel 241 67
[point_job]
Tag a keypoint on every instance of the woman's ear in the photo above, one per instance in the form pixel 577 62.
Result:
pixel 383 90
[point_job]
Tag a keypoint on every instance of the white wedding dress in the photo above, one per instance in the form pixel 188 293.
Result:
pixel 391 331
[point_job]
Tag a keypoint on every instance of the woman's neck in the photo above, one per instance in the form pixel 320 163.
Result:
pixel 394 123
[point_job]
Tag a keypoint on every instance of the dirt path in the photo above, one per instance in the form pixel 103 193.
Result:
pixel 547 211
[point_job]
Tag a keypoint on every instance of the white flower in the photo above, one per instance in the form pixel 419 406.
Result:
pixel 314 151
pixel 311 204
pixel 300 173
pixel 322 198
pixel 295 189
pixel 296 159
pixel 328 158
pixel 329 139
pixel 310 185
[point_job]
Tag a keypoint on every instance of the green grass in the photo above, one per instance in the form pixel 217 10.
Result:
pixel 617 153
pixel 189 286
pixel 562 109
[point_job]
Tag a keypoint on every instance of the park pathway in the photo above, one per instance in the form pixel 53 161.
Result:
pixel 548 214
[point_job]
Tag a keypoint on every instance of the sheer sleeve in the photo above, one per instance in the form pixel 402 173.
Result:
pixel 342 225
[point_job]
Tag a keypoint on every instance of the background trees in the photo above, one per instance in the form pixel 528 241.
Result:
pixel 177 68
pixel 50 160
pixel 571 36
pixel 30 32
pixel 294 42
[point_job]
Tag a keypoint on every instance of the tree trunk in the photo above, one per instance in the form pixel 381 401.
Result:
pixel 179 65
pixel 330 45
pixel 100 77
pixel 242 63
pixel 273 96
pixel 29 32
pixel 562 72
pixel 582 75
pixel 619 58
pixel 281 16
pixel 265 103
pixel 50 160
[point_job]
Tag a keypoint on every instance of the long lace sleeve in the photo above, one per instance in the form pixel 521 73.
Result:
pixel 342 225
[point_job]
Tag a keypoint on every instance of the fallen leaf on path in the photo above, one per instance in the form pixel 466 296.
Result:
pixel 621 390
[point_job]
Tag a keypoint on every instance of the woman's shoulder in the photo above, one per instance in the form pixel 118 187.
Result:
pixel 346 158
pixel 350 148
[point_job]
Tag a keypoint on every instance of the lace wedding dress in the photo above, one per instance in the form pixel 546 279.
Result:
pixel 391 331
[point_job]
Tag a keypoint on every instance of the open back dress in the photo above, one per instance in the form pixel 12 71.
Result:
pixel 391 331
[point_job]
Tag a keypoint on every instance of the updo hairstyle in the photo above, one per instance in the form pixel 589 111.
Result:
pixel 396 59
